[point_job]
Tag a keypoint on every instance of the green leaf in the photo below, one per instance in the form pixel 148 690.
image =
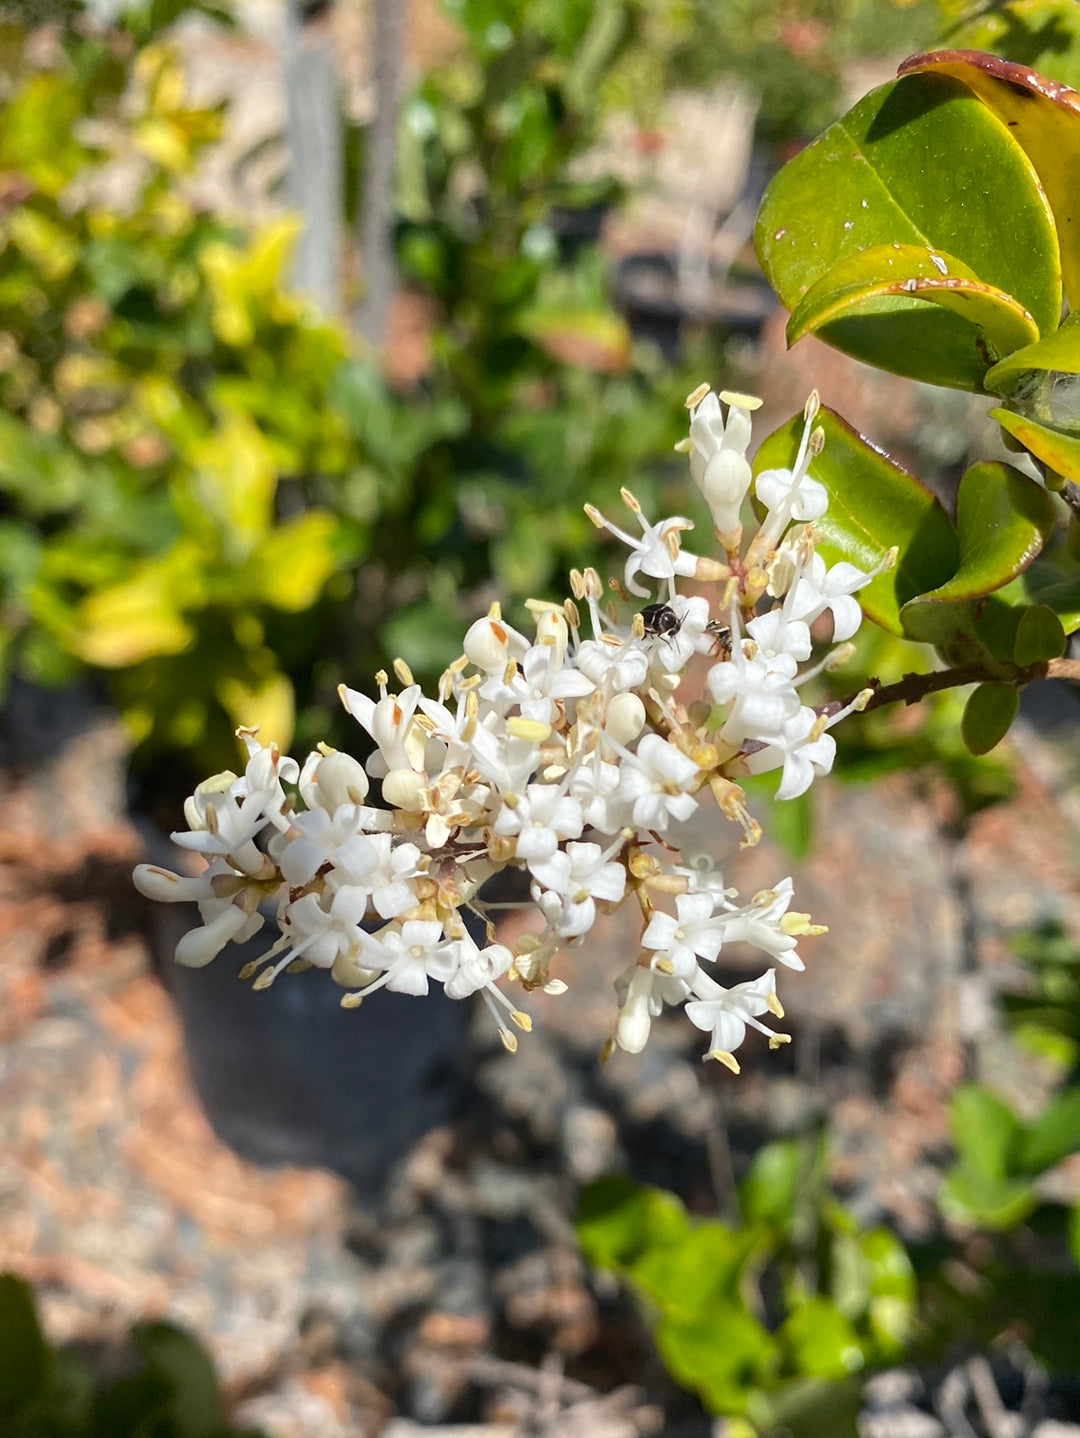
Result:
pixel 1043 117
pixel 1040 636
pixel 689 1278
pixel 25 1357
pixel 822 1342
pixel 979 1200
pixel 1054 1135
pixel 185 1367
pixel 873 505
pixel 988 716
pixel 1052 581
pixel 1059 452
pixel 1056 355
pixel 619 1219
pixel 883 293
pixel 720 1357
pixel 1042 34
pixel 983 1129
pixel 810 1408
pixel 923 163
pixel 767 1194
pixel 1003 519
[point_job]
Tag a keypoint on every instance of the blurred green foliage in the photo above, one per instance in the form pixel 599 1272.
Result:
pixel 204 491
pixel 795 54
pixel 772 1317
pixel 778 1319
pixel 159 391
pixel 166 1385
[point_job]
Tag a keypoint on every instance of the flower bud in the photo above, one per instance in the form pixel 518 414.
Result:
pixel 166 887
pixel 404 788
pixel 625 718
pixel 197 948
pixel 341 779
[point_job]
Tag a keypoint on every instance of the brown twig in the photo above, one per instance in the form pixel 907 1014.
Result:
pixel 914 687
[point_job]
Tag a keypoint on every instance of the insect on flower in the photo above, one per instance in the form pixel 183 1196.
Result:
pixel 660 620
pixel 721 638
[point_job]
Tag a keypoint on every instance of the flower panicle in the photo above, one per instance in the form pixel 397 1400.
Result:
pixel 572 755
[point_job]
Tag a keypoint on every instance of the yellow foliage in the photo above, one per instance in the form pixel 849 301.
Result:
pixel 268 702
pixel 296 559
pixel 234 481
pixel 140 617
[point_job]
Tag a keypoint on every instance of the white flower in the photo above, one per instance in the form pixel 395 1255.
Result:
pixel 673 652
pixel 656 780
pixel 330 778
pixel 718 463
pixel 762 923
pixel 818 589
pixel 386 869
pixel 595 785
pixel 574 879
pixel 615 666
pixel 540 683
pixel 321 931
pixel 389 721
pixel 726 1013
pixel 657 553
pixel 696 933
pixel 539 819
pixel 776 633
pixel 224 815
pixel 761 694
pixel 791 494
pixel 318 837
pixel 802 747
pixel 408 956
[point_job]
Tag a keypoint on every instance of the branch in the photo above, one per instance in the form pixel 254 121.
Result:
pixel 914 687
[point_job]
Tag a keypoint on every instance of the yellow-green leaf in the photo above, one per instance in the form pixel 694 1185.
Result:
pixel 294 561
pixel 883 292
pixel 1043 117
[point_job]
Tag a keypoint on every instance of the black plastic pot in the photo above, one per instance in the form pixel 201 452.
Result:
pixel 287 1076
pixel 647 291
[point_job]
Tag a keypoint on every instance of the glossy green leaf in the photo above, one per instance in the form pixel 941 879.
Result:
pixel 884 292
pixel 1057 352
pixel 1003 519
pixel 873 505
pixel 988 716
pixel 1041 382
pixel 924 163
pixel 1043 117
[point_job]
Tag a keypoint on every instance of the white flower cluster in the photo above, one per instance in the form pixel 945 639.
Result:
pixel 572 754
